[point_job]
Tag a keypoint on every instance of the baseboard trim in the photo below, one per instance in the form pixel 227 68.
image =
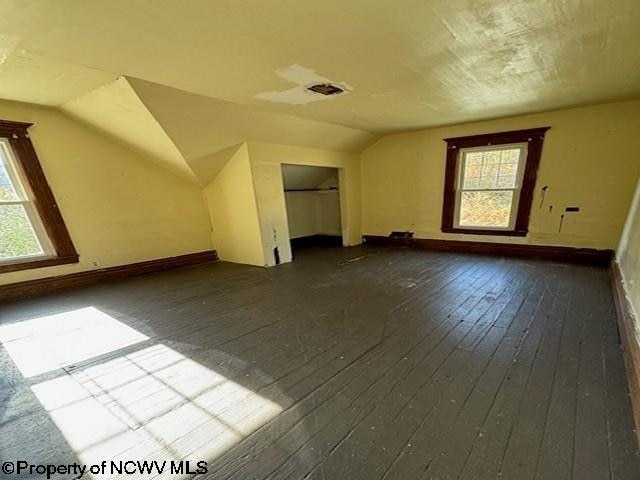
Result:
pixel 44 285
pixel 589 256
pixel 629 339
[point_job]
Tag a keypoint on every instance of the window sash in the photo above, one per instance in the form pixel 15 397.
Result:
pixel 8 162
pixel 7 158
pixel 46 217
pixel 515 200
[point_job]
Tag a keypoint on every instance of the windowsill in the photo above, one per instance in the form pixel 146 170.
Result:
pixel 30 263
pixel 484 231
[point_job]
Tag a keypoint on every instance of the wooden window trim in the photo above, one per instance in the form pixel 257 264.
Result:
pixel 533 137
pixel 25 155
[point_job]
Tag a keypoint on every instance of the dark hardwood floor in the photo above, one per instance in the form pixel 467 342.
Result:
pixel 351 363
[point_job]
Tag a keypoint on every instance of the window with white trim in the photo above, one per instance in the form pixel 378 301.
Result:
pixel 22 234
pixel 488 186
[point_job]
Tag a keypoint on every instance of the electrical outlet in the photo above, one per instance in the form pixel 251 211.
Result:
pixel 95 263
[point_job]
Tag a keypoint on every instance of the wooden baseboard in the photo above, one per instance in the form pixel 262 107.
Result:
pixel 49 284
pixel 629 339
pixel 589 256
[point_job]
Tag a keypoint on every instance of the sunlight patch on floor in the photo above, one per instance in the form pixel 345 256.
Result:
pixel 152 403
pixel 47 343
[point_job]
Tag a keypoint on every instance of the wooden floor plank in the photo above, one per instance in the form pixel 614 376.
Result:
pixel 591 450
pixel 417 391
pixel 483 429
pixel 555 459
pixel 403 359
pixel 416 456
pixel 360 363
pixel 521 456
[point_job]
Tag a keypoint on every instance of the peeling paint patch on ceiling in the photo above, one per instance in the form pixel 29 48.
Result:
pixel 300 75
pixel 300 95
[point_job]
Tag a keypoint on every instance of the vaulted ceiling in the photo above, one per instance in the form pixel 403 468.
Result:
pixel 215 73
pixel 194 135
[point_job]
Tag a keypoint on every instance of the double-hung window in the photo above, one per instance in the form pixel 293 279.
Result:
pixel 22 235
pixel 488 186
pixel 32 232
pixel 489 182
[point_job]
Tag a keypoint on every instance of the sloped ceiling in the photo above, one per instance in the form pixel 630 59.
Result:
pixel 302 177
pixel 412 64
pixel 116 110
pixel 202 125
pixel 30 76
pixel 192 135
pixel 207 167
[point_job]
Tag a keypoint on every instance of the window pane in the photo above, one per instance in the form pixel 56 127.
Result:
pixel 511 155
pixel 491 169
pixel 474 158
pixel 506 181
pixel 471 182
pixel 508 168
pixel 491 157
pixel 17 238
pixel 485 209
pixel 472 169
pixel 7 191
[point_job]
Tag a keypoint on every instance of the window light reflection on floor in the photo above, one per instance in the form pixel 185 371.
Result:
pixel 152 403
pixel 47 343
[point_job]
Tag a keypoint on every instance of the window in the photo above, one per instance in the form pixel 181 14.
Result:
pixel 489 182
pixel 21 232
pixel 32 232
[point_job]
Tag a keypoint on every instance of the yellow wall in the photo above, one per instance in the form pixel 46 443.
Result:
pixel 628 254
pixel 587 161
pixel 329 221
pixel 302 213
pixel 233 212
pixel 119 208
pixel 313 213
pixel 266 164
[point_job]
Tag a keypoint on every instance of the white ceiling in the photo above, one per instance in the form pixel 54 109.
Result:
pixel 409 63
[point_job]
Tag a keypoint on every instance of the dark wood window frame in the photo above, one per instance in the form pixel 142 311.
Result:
pixel 533 137
pixel 17 135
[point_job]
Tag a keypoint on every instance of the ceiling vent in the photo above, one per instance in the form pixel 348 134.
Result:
pixel 325 89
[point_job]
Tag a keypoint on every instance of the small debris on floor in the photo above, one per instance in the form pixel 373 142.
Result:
pixel 352 260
